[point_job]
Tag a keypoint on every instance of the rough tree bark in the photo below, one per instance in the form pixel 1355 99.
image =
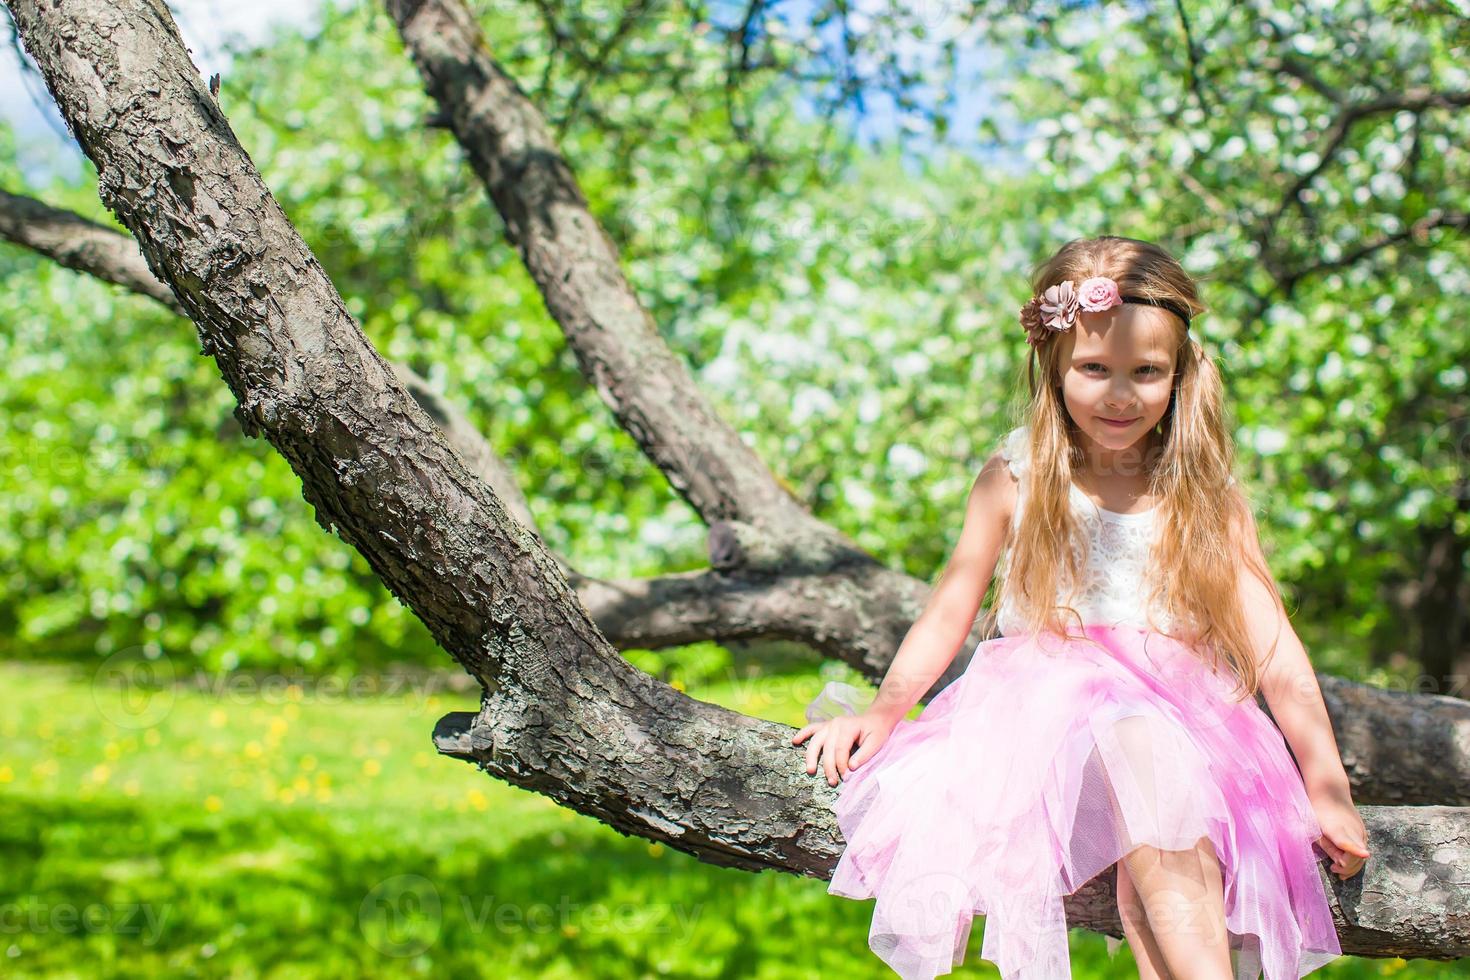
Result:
pixel 562 713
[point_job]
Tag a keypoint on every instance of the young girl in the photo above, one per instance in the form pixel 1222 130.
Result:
pixel 1114 721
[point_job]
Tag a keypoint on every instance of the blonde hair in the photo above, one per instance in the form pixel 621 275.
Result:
pixel 1194 559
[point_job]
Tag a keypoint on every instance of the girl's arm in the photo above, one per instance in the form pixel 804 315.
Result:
pixel 937 635
pixel 1288 680
pixel 1291 689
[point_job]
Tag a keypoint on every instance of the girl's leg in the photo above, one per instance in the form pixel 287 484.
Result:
pixel 1140 936
pixel 1183 897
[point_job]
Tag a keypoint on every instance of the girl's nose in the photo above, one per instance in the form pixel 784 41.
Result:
pixel 1118 398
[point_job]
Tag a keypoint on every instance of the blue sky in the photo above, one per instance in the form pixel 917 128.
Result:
pixel 211 28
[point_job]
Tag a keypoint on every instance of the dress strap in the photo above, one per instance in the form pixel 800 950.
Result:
pixel 1015 450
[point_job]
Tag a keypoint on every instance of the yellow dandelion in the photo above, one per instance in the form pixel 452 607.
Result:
pixel 218 718
pixel 307 763
pixel 421 759
pixel 477 800
pixel 324 779
pixel 323 794
pixel 656 849
pixel 111 751
pixel 100 773
pixel 132 788
pixel 213 804
pixel 371 767
pixel 253 750
pixel 677 684
pixel 300 785
pixel 291 711
pixel 279 726
pixel 286 795
pixel 6 774
pixel 151 737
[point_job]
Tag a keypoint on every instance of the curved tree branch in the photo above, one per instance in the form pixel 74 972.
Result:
pixel 576 267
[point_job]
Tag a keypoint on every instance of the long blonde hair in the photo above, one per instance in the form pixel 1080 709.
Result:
pixel 1195 557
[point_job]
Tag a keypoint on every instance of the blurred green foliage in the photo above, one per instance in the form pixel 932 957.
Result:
pixel 858 329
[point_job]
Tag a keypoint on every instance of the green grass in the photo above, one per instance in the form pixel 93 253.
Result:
pixel 297 833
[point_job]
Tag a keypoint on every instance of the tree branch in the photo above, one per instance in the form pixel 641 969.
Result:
pixel 576 267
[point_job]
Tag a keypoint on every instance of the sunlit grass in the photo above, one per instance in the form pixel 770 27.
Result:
pixel 301 833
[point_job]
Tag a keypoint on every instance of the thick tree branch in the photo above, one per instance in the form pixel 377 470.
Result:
pixel 576 267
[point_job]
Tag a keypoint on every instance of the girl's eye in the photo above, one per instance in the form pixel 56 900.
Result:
pixel 1093 365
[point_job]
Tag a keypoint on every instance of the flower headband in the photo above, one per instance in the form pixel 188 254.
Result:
pixel 1057 308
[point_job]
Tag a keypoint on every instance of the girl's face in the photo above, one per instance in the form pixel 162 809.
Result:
pixel 1117 364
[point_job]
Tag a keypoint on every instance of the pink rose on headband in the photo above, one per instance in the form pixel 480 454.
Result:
pixel 1098 293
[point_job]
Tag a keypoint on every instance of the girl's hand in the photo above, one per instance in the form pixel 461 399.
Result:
pixel 833 739
pixel 1344 837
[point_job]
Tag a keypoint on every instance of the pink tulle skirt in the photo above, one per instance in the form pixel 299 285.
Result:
pixel 1048 761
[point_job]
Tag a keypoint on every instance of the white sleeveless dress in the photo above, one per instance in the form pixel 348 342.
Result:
pixel 1112 591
